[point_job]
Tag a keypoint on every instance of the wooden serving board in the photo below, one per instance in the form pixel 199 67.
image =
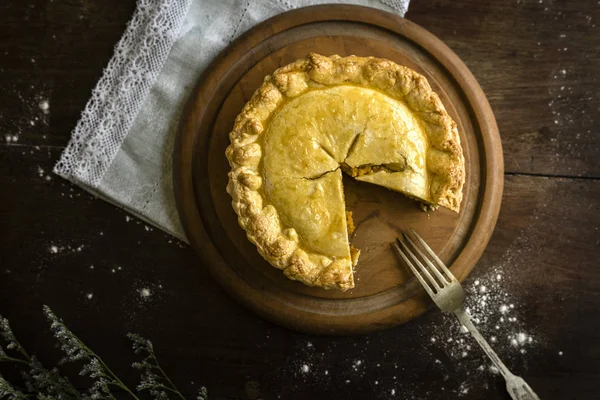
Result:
pixel 385 293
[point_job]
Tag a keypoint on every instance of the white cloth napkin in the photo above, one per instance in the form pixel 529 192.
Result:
pixel 122 146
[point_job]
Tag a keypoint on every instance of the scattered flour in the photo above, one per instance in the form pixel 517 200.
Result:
pixel 45 106
pixel 11 138
pixel 34 117
pixel 55 249
pixel 493 309
pixel 145 293
pixel 42 174
pixel 455 357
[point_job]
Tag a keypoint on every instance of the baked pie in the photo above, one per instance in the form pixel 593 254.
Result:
pixel 315 118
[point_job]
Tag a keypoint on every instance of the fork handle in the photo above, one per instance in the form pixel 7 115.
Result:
pixel 516 386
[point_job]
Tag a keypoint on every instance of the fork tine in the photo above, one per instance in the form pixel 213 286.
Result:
pixel 434 256
pixel 414 270
pixel 442 278
pixel 422 268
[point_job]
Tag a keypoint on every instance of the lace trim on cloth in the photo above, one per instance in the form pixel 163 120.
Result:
pixel 401 6
pixel 122 89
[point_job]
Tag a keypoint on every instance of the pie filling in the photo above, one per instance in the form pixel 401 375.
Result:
pixel 371 169
pixel 350 222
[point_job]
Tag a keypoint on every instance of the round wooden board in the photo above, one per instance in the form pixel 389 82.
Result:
pixel 385 294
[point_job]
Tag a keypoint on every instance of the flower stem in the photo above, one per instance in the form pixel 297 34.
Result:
pixel 173 388
pixel 118 382
pixel 13 359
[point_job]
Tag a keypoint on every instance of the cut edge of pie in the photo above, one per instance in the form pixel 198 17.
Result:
pixel 280 244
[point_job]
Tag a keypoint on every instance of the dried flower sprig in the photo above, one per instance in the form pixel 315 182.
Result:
pixel 36 377
pixel 8 391
pixel 154 379
pixel 12 342
pixel 202 394
pixel 76 351
pixel 44 384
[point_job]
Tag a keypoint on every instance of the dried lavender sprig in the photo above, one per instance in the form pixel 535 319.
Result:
pixel 47 381
pixel 8 335
pixel 38 379
pixel 155 383
pixel 95 367
pixel 12 344
pixel 9 392
pixel 202 394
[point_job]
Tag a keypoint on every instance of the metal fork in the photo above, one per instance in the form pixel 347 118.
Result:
pixel 449 296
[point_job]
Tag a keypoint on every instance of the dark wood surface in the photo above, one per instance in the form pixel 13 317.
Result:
pixel 385 294
pixel 537 63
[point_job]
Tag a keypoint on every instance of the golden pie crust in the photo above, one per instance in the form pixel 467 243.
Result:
pixel 377 121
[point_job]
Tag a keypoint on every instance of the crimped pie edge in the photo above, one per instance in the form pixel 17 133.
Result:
pixel 279 245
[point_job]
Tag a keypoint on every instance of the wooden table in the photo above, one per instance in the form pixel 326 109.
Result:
pixel 537 61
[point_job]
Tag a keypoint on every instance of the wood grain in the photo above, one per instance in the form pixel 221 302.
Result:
pixel 385 295
pixel 196 325
pixel 546 238
pixel 537 62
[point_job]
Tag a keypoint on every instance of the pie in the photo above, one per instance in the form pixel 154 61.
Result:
pixel 315 118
